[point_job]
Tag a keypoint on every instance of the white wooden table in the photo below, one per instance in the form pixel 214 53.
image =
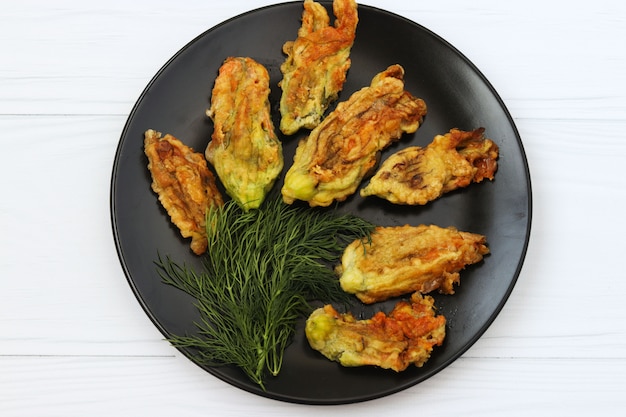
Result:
pixel 74 340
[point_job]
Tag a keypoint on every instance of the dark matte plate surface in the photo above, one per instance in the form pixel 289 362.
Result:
pixel 457 95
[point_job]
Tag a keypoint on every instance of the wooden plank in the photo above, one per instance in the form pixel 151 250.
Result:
pixel 88 59
pixel 71 272
pixel 165 386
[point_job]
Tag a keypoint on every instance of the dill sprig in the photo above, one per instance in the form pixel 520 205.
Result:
pixel 262 270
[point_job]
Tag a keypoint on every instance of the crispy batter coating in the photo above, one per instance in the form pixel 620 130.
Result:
pixel 405 259
pixel 316 65
pixel 184 184
pixel 331 162
pixel 416 175
pixel 244 149
pixel 406 336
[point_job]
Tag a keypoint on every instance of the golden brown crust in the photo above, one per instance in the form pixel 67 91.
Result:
pixel 404 259
pixel 417 175
pixel 316 65
pixel 406 336
pixel 184 184
pixel 331 162
pixel 244 149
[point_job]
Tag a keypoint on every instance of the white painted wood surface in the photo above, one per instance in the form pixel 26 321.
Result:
pixel 75 342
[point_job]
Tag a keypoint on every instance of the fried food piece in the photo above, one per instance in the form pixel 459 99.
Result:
pixel 316 65
pixel 406 336
pixel 405 259
pixel 244 149
pixel 184 184
pixel 415 175
pixel 331 162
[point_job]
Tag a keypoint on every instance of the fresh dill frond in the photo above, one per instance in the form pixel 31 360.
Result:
pixel 261 271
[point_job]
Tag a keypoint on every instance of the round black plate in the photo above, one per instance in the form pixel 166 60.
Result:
pixel 457 95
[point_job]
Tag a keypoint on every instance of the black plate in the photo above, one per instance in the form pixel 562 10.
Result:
pixel 457 95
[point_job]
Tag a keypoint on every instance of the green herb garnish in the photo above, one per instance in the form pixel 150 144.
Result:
pixel 261 271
